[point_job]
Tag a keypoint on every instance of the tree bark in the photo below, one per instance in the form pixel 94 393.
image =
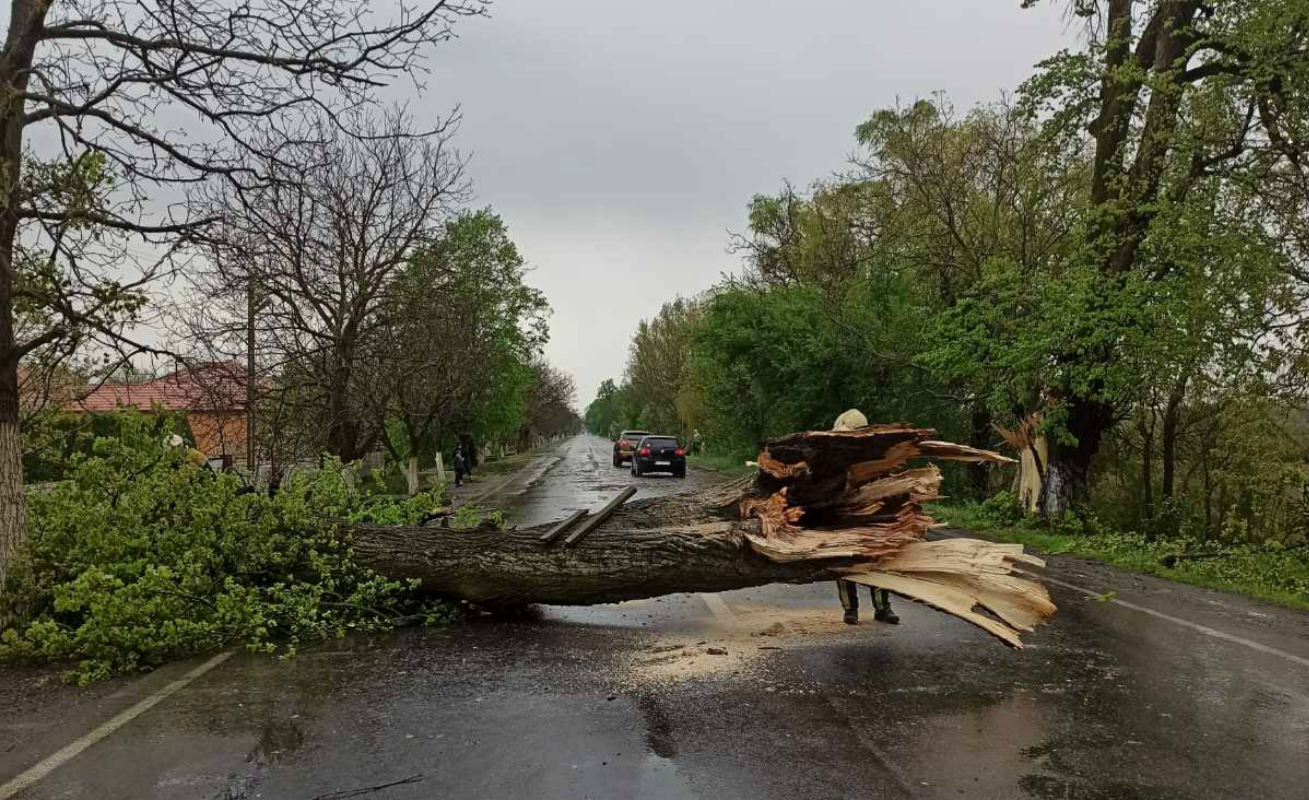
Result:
pixel 411 475
pixel 822 506
pixel 1169 443
pixel 13 504
pixel 26 23
pixel 979 436
pixel 636 553
pixel 1068 473
pixel 1147 458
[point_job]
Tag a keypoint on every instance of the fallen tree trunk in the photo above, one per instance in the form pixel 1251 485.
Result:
pixel 823 505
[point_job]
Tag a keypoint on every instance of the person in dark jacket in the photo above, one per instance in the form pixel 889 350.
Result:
pixel 461 465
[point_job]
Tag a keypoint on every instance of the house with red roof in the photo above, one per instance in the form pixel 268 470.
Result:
pixel 211 396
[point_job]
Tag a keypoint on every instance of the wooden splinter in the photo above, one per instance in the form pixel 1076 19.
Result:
pixel 600 516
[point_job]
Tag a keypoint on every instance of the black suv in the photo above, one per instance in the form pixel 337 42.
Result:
pixel 626 444
pixel 659 454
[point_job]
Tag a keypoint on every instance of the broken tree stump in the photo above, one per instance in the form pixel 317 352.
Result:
pixel 822 505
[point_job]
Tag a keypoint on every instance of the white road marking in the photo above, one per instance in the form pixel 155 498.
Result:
pixel 717 605
pixel 1195 626
pixel 69 752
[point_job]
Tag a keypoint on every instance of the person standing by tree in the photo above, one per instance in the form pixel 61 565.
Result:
pixel 849 594
pixel 848 591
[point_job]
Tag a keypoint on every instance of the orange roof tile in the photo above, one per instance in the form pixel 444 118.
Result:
pixel 216 386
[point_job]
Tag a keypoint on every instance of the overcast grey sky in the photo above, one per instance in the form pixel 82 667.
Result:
pixel 621 141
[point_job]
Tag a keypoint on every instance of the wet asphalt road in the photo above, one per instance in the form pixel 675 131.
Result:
pixel 1163 691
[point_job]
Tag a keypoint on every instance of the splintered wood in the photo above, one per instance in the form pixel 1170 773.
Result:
pixel 842 495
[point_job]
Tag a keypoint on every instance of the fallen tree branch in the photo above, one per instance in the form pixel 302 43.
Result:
pixel 822 506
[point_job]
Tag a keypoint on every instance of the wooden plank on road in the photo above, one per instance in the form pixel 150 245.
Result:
pixel 600 516
pixel 554 533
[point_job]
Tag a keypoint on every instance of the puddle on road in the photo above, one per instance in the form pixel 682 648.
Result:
pixel 660 778
pixel 279 739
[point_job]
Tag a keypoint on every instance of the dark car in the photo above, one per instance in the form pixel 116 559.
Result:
pixel 626 444
pixel 659 454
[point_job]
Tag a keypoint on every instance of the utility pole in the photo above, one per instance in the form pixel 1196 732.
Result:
pixel 250 455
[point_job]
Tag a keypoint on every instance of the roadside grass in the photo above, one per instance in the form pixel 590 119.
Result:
pixel 500 466
pixel 1268 571
pixel 726 465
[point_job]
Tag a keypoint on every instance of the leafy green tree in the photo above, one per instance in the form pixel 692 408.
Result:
pixel 1172 99
pixel 458 332
pixel 658 370
pixel 602 415
pixel 769 363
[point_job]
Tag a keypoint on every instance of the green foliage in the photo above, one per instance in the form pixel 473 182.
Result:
pixel 769 363
pixel 54 292
pixel 467 330
pixel 142 555
pixel 471 516
pixel 51 439
pixel 722 464
pixel 1001 508
pixel 602 415
pixel 659 379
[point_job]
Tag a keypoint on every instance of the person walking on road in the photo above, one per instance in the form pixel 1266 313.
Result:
pixel 461 464
pixel 849 594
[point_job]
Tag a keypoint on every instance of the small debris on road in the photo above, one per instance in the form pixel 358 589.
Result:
pixel 341 795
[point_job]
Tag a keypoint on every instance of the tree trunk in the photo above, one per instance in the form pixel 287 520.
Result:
pixel 13 508
pixel 979 436
pixel 1169 444
pixel 340 426
pixel 13 504
pixel 1068 473
pixel 26 23
pixel 343 417
pixel 1147 458
pixel 822 506
pixel 634 554
pixel 1208 492
pixel 411 476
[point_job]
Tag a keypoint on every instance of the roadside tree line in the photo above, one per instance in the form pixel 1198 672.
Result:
pixel 1106 271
